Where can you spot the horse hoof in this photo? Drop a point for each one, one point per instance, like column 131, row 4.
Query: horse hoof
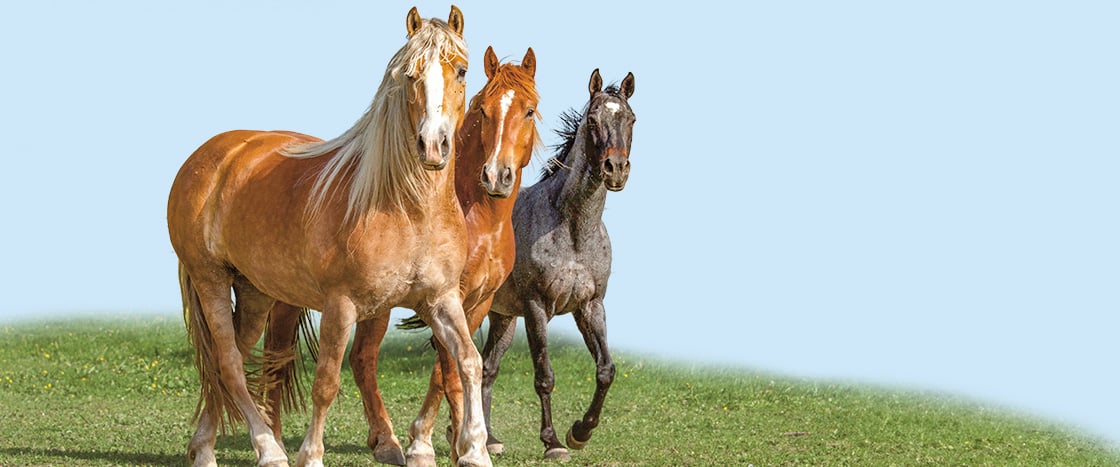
column 273, row 463
column 575, row 443
column 483, row 462
column 557, row 454
column 495, row 448
column 421, row 460
column 391, row 455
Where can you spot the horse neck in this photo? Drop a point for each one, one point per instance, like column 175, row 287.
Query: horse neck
column 579, row 196
column 437, row 202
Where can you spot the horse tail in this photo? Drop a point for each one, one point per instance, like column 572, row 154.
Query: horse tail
column 285, row 369
column 412, row 323
column 214, row 398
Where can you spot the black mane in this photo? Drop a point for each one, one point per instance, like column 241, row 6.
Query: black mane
column 569, row 126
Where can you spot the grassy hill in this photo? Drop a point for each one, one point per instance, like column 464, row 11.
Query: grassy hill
column 121, row 392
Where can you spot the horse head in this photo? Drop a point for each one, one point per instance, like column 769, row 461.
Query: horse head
column 437, row 74
column 507, row 105
column 609, row 127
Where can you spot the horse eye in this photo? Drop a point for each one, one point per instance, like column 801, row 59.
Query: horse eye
column 462, row 73
column 530, row 113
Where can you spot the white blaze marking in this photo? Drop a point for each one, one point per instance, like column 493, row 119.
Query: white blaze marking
column 612, row 106
column 433, row 86
column 507, row 100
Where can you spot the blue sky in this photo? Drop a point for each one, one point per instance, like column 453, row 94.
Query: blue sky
column 914, row 195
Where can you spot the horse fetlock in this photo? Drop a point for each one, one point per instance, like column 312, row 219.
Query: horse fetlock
column 203, row 457
column 269, row 452
column 474, row 457
column 420, row 451
column 572, row 438
column 494, row 445
column 309, row 457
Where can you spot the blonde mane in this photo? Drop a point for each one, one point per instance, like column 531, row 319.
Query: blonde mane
column 378, row 156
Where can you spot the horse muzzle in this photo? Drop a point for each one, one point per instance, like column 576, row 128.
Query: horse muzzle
column 434, row 151
column 498, row 182
column 615, row 170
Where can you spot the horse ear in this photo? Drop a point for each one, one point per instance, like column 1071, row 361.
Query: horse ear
column 413, row 21
column 455, row 20
column 627, row 87
column 596, row 83
column 529, row 63
column 490, row 62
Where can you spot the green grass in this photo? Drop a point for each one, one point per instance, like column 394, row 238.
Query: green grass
column 121, row 392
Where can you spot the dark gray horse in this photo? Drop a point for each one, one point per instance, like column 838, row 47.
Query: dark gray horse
column 564, row 255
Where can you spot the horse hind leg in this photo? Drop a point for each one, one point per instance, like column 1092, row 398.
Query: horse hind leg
column 592, row 324
column 250, row 313
column 536, row 326
column 499, row 337
column 221, row 371
column 283, row 391
column 363, row 361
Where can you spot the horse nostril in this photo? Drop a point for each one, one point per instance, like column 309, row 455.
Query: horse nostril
column 507, row 177
column 608, row 166
column 444, row 144
column 486, row 176
column 420, row 146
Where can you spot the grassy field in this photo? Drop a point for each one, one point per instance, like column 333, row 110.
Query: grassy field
column 121, row 392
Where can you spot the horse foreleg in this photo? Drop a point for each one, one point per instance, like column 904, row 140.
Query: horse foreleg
column 592, row 324
column 536, row 325
column 450, row 327
column 420, row 449
column 334, row 330
column 498, row 340
column 452, row 387
column 363, row 361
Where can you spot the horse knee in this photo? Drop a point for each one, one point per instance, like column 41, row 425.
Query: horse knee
column 544, row 383
column 323, row 393
column 605, row 375
column 471, row 370
column 489, row 372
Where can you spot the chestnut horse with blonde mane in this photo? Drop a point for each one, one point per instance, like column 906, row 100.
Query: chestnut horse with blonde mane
column 353, row 227
column 496, row 141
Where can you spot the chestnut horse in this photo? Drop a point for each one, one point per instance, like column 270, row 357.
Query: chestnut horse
column 564, row 255
column 496, row 141
column 352, row 227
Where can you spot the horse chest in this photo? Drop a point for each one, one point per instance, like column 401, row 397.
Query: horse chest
column 571, row 280
column 385, row 278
